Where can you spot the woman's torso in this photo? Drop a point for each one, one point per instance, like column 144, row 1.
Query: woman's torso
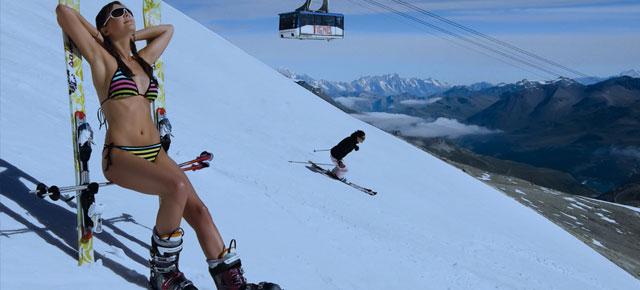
column 129, row 118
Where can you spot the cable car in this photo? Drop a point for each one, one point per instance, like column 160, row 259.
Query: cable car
column 307, row 24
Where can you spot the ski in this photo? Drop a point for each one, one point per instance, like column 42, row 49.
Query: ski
column 152, row 17
column 82, row 137
column 307, row 162
column 318, row 169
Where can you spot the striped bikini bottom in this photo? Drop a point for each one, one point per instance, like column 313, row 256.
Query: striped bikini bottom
column 149, row 152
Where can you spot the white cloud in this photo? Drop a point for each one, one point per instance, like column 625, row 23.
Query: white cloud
column 418, row 127
column 414, row 102
column 630, row 151
column 351, row 102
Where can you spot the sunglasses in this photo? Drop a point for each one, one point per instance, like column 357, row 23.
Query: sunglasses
column 118, row 12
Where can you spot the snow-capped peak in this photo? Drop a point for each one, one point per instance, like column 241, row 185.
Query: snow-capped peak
column 631, row 73
column 380, row 85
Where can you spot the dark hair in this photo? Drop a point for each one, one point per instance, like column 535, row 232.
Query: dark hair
column 359, row 134
column 102, row 16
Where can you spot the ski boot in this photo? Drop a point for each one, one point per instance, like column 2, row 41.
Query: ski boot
column 165, row 253
column 334, row 175
column 227, row 272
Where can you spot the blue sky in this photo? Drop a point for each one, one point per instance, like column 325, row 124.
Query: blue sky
column 595, row 37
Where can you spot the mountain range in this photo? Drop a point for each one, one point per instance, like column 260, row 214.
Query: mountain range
column 372, row 86
column 592, row 80
column 590, row 131
column 393, row 84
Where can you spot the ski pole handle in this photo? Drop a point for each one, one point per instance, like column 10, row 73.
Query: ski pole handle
column 204, row 156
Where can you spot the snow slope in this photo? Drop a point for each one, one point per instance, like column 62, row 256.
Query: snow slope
column 430, row 227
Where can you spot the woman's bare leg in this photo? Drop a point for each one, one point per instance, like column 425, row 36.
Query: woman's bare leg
column 197, row 215
column 177, row 197
column 133, row 172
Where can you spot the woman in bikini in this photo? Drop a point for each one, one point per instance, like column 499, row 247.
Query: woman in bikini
column 133, row 156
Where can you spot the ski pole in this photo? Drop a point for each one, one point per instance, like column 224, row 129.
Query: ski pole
column 321, row 150
column 54, row 192
column 307, row 162
column 197, row 166
column 42, row 190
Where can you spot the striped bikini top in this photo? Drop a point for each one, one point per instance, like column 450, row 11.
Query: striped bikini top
column 123, row 86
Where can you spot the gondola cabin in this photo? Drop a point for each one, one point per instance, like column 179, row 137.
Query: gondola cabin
column 306, row 24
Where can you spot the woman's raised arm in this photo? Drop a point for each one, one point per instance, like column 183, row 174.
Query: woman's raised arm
column 158, row 37
column 86, row 37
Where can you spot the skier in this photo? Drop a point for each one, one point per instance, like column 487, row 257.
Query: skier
column 341, row 150
column 133, row 157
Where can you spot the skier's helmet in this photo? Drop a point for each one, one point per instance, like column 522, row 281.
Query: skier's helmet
column 358, row 134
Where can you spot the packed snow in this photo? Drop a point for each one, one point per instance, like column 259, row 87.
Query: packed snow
column 569, row 216
column 607, row 219
column 597, row 243
column 430, row 227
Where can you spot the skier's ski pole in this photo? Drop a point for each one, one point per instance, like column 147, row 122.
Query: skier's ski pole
column 321, row 150
column 307, row 162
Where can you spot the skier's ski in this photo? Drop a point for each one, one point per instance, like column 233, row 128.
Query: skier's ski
column 316, row 168
column 152, row 17
column 82, row 137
